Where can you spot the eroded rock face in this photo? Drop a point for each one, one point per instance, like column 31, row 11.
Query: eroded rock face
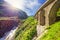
column 7, row 25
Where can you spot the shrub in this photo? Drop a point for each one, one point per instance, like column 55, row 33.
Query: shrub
column 27, row 30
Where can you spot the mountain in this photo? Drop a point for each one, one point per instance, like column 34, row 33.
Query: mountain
column 6, row 10
column 22, row 14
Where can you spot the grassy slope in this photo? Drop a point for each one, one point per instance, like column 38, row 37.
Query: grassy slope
column 27, row 30
column 53, row 32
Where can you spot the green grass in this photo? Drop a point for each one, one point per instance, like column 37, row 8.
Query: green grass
column 58, row 13
column 23, row 26
column 53, row 32
column 27, row 30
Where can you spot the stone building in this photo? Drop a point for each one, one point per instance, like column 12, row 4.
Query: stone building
column 46, row 15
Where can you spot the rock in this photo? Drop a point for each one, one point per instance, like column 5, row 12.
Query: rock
column 7, row 25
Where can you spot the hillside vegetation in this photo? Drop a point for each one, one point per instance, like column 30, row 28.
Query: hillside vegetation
column 53, row 32
column 58, row 13
column 27, row 30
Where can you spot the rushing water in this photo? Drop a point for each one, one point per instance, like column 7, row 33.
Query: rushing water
column 9, row 35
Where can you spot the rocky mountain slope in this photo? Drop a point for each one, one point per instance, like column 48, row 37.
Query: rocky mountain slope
column 7, row 10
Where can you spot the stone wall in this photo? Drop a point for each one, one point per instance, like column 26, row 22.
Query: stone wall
column 47, row 14
column 53, row 12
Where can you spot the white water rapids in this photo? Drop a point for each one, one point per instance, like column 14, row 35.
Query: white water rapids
column 9, row 35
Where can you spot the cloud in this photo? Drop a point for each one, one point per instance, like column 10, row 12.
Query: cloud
column 31, row 6
column 16, row 3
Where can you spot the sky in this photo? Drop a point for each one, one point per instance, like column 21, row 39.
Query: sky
column 29, row 6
